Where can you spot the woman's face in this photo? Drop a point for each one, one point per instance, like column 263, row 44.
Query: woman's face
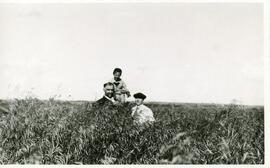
column 138, row 101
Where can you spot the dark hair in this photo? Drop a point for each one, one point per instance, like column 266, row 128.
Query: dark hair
column 117, row 70
column 106, row 84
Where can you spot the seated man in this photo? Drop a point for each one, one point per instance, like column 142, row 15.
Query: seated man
column 141, row 113
column 108, row 98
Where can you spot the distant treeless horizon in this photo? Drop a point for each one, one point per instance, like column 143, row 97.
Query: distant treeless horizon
column 172, row 52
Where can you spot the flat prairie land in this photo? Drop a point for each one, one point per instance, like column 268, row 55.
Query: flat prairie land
column 34, row 131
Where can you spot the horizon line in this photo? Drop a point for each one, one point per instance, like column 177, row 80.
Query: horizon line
column 162, row 102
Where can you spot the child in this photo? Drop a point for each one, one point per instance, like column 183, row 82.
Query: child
column 119, row 85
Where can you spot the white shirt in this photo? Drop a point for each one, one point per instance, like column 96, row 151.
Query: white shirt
column 142, row 114
column 111, row 99
column 121, row 85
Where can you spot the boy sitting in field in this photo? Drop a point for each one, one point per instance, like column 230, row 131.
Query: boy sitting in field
column 119, row 85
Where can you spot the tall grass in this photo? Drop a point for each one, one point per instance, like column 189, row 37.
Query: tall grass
column 54, row 132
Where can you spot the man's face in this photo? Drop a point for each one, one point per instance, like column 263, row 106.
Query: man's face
column 108, row 90
column 138, row 101
column 117, row 75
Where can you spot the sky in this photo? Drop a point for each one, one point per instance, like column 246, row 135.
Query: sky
column 172, row 52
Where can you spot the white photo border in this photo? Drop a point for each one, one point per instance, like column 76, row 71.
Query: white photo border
column 266, row 5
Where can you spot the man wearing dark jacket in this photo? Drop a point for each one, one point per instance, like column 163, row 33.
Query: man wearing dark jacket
column 107, row 99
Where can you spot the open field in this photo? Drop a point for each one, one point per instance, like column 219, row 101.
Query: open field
column 59, row 132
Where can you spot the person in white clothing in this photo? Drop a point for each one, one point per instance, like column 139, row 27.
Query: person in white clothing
column 141, row 113
column 121, row 90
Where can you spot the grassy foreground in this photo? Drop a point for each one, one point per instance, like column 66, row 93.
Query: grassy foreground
column 55, row 132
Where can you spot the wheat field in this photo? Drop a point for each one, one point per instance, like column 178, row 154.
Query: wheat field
column 34, row 131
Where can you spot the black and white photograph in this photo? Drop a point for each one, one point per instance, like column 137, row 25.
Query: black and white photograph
column 133, row 83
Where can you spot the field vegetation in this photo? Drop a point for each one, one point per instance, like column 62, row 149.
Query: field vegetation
column 33, row 131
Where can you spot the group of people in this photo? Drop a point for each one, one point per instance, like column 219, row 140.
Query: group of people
column 115, row 93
